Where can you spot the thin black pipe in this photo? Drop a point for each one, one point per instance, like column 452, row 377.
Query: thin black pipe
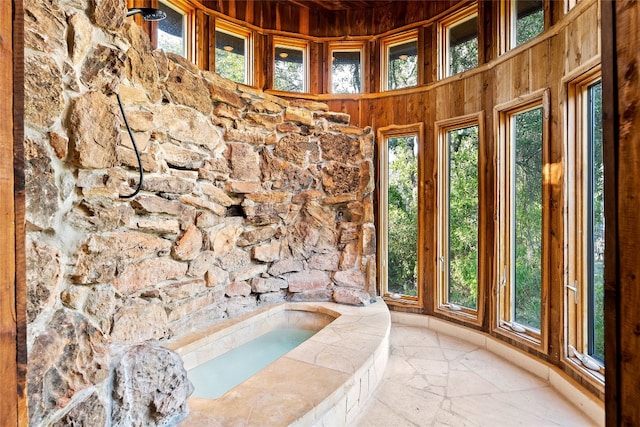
column 135, row 148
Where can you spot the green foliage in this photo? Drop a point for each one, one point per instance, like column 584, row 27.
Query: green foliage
column 463, row 56
column 528, row 217
column 403, row 72
column 288, row 75
column 597, row 219
column 170, row 43
column 230, row 65
column 529, row 26
column 463, row 216
column 402, row 214
column 345, row 78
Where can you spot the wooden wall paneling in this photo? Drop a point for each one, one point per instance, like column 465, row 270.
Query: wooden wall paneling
column 428, row 248
column 441, row 110
column 541, row 54
column 553, row 175
column 488, row 200
column 610, row 128
column 263, row 61
column 316, row 69
column 384, row 112
column 19, row 196
column 430, row 53
column 622, row 216
column 202, row 39
column 487, row 28
column 473, row 92
column 582, row 39
column 399, row 109
column 372, row 69
column 415, row 107
column 512, row 78
column 421, row 55
column 8, row 325
column 211, row 44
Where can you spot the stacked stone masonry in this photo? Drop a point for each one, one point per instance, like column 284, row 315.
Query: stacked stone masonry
column 247, row 199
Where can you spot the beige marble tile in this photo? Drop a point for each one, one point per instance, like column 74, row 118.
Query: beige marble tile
column 457, row 383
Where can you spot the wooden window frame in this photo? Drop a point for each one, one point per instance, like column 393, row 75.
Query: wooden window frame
column 293, row 44
column 444, row 26
column 503, row 324
column 188, row 11
column 244, row 33
column 441, row 301
column 345, row 47
column 575, row 292
column 388, row 43
column 384, row 133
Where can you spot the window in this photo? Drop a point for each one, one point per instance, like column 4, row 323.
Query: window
column 346, row 68
column 172, row 31
column 584, row 296
column 290, row 65
column 399, row 224
column 458, row 216
column 400, row 61
column 459, row 42
column 522, row 20
column 232, row 52
column 522, row 197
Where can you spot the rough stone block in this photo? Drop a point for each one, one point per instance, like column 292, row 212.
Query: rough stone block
column 308, row 281
column 139, row 321
column 351, row 296
column 150, row 387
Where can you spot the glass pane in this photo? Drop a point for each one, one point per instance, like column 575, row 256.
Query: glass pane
column 289, row 69
column 171, row 32
column 345, row 72
column 529, row 20
column 463, row 46
column 402, row 210
column 230, row 56
column 402, row 65
column 596, row 217
column 527, row 256
column 463, row 216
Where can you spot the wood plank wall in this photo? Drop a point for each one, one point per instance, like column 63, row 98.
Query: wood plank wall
column 621, row 91
column 290, row 17
column 13, row 294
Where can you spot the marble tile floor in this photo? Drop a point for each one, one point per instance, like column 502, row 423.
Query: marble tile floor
column 433, row 379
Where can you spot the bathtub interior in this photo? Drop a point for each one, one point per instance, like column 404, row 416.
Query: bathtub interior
column 209, row 343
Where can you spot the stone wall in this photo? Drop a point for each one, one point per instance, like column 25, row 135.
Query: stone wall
column 247, row 199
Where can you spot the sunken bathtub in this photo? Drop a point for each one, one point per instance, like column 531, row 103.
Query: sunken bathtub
column 324, row 381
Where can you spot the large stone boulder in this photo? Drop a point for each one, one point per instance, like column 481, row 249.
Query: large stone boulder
column 150, row 388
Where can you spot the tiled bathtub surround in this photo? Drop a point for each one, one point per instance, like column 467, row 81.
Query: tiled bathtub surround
column 325, row 381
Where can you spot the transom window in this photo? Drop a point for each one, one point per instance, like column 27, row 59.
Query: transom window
column 584, row 290
column 346, row 68
column 172, row 31
column 399, row 220
column 290, row 65
column 400, row 61
column 522, row 20
column 522, row 241
column 232, row 52
column 458, row 216
column 459, row 42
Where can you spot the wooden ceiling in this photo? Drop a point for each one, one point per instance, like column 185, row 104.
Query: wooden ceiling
column 340, row 4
